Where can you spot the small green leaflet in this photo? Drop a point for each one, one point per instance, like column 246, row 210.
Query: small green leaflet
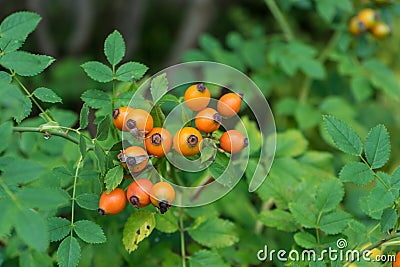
column 88, row 201
column 280, row 219
column 329, row 194
column 43, row 198
column 98, row 71
column 58, row 228
column 6, row 129
column 377, row 146
column 114, row 48
column 5, row 78
column 32, row 229
column 166, row 223
column 388, row 220
column 96, row 99
column 382, row 77
column 130, row 71
column 138, row 227
column 214, row 232
column 24, row 63
column 19, row 25
column 334, row 222
column 305, row 240
column 290, row 143
column 303, row 215
column 114, row 178
column 101, row 158
column 103, row 128
column 83, row 116
column 47, row 95
column 82, row 145
column 159, row 86
column 206, row 258
column 69, row 252
column 344, row 137
column 89, row 232
column 356, row 172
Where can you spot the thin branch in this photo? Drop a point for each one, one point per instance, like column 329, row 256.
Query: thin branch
column 280, row 18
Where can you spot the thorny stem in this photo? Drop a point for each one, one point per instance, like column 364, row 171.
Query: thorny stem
column 38, row 130
column 280, row 18
column 78, row 164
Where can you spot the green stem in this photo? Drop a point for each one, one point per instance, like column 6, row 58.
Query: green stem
column 323, row 56
column 182, row 235
column 28, row 94
column 267, row 205
column 376, row 175
column 280, row 18
column 38, row 130
column 78, row 164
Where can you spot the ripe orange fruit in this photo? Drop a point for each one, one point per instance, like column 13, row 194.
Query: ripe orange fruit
column 187, row 141
column 158, row 142
column 208, row 120
column 197, row 97
column 119, row 116
column 356, row 26
column 396, row 262
column 229, row 104
column 138, row 122
column 112, row 203
column 233, row 141
column 138, row 192
column 380, row 30
column 368, row 17
column 136, row 158
column 162, row 195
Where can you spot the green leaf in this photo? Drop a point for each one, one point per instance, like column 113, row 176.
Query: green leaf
column 218, row 167
column 166, row 223
column 32, row 258
column 344, row 137
column 29, row 172
column 380, row 198
column 17, row 104
column 158, row 116
column 114, row 48
column 307, row 116
column 82, row 145
column 361, row 88
column 96, row 99
column 32, row 229
column 382, row 77
column 388, row 220
column 6, row 130
column 159, row 86
column 47, row 95
column 377, row 146
column 334, row 222
column 356, row 172
column 88, row 201
column 303, row 215
column 98, row 71
column 290, row 143
column 305, row 240
column 279, row 219
column 19, row 25
column 329, row 194
column 8, row 216
column 5, row 78
column 24, row 63
column 89, row 232
column 138, row 226
column 313, row 68
column 208, row 151
column 327, row 9
column 114, row 178
column 84, row 116
column 10, row 45
column 214, row 232
column 130, row 71
column 103, row 128
column 101, row 158
column 43, row 198
column 58, row 228
column 69, row 252
column 206, row 258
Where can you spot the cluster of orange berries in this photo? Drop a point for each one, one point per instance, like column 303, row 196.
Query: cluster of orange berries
column 140, row 193
column 158, row 142
column 368, row 20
